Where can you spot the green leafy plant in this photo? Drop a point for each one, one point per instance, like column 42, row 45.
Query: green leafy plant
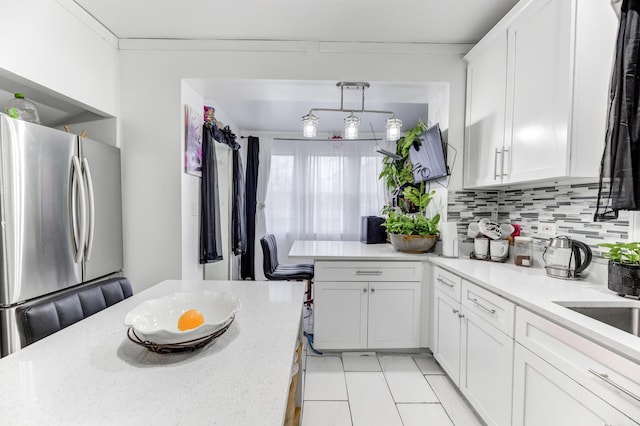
column 409, row 217
column 627, row 253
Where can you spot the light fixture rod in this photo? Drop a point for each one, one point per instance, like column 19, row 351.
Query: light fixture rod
column 351, row 85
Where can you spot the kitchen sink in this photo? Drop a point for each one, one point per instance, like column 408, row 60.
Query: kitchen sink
column 626, row 318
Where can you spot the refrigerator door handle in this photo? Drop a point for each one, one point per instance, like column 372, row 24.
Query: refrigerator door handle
column 79, row 226
column 89, row 182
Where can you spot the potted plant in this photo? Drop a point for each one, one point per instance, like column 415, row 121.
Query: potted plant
column 624, row 267
column 407, row 222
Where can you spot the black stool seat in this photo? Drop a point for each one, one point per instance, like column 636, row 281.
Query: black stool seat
column 282, row 272
column 301, row 271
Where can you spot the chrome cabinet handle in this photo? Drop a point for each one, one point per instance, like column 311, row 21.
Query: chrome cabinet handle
column 481, row 306
column 364, row 290
column 455, row 311
column 495, row 164
column 445, row 282
column 460, row 316
column 606, row 378
column 368, row 272
column 505, row 150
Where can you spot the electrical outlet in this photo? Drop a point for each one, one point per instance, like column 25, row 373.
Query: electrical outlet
column 547, row 229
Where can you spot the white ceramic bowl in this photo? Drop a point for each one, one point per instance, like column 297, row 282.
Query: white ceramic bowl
column 157, row 320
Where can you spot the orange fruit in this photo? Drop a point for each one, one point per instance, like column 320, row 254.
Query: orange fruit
column 190, row 319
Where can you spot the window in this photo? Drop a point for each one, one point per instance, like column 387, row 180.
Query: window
column 320, row 189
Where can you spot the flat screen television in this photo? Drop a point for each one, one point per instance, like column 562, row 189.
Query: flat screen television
column 429, row 156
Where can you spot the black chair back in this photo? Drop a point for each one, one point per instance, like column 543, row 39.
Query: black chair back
column 269, row 254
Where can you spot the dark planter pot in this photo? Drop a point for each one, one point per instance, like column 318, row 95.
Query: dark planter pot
column 624, row 279
column 412, row 243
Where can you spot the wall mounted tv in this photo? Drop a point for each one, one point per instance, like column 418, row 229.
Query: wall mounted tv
column 429, row 156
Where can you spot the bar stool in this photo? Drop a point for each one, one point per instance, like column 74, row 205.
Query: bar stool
column 284, row 272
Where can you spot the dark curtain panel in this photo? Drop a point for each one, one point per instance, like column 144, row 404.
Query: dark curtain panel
column 620, row 164
column 247, row 269
column 210, row 231
column 239, row 213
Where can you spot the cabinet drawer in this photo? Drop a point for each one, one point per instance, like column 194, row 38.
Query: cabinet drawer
column 368, row 271
column 447, row 282
column 492, row 308
column 612, row 377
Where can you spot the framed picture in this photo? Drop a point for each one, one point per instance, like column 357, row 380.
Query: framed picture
column 193, row 121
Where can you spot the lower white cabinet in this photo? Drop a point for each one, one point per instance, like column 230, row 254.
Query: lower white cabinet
column 470, row 343
column 446, row 334
column 486, row 361
column 366, row 315
column 577, row 381
column 543, row 396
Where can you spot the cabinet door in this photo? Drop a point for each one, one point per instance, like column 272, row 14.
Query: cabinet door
column 486, row 363
column 485, row 114
column 394, row 315
column 447, row 335
column 340, row 315
column 545, row 396
column 539, row 92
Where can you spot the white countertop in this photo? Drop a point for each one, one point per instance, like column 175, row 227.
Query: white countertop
column 354, row 250
column 91, row 374
column 530, row 288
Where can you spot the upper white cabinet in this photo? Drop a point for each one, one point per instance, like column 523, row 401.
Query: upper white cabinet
column 537, row 94
column 485, row 113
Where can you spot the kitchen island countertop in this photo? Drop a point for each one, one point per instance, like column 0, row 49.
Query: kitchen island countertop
column 90, row 373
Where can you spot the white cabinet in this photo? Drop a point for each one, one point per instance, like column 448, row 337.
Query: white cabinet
column 485, row 113
column 554, row 77
column 446, row 334
column 543, row 395
column 579, row 378
column 472, row 341
column 360, row 305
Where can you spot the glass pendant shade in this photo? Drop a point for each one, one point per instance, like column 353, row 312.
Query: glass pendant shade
column 310, row 126
column 351, row 124
column 393, row 128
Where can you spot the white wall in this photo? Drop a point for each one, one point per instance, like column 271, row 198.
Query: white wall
column 190, row 195
column 151, row 75
column 56, row 46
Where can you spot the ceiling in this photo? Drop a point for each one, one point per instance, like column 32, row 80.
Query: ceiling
column 276, row 105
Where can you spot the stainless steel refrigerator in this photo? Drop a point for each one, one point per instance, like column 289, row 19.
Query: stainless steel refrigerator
column 60, row 216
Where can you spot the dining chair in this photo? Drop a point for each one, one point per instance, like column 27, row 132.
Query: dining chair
column 276, row 271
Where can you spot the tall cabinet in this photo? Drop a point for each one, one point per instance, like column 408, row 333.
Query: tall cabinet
column 537, row 94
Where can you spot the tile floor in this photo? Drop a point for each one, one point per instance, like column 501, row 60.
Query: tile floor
column 369, row 389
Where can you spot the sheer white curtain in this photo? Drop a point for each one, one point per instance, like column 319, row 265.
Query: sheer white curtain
column 318, row 190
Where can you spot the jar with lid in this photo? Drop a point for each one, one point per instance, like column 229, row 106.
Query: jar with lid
column 523, row 251
column 22, row 108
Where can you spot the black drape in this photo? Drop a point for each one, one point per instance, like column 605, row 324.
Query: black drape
column 621, row 159
column 210, row 231
column 251, row 185
column 239, row 213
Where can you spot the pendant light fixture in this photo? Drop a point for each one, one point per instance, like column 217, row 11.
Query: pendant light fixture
column 393, row 128
column 310, row 125
column 351, row 122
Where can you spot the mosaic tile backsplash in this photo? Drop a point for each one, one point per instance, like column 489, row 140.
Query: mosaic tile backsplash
column 570, row 207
